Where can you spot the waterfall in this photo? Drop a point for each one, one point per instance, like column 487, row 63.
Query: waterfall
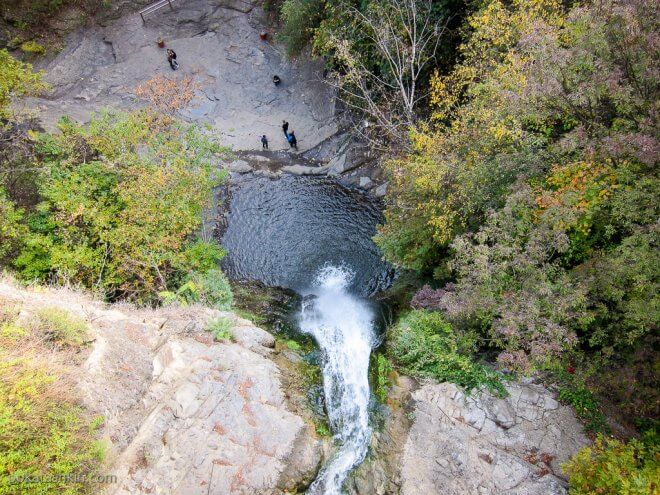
column 342, row 326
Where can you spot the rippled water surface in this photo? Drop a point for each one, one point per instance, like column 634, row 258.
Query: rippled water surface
column 283, row 231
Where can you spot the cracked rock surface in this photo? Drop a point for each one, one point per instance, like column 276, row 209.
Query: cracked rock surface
column 185, row 415
column 481, row 444
column 217, row 44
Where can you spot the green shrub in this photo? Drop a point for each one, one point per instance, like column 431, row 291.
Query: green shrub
column 221, row 328
column 585, row 404
column 299, row 18
column 211, row 288
column 423, row 344
column 60, row 327
column 12, row 232
column 214, row 289
column 43, row 432
column 610, row 467
column 16, row 79
column 131, row 231
column 33, row 47
column 383, row 373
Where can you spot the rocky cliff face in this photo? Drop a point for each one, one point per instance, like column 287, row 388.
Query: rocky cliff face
column 483, row 445
column 462, row 444
column 184, row 414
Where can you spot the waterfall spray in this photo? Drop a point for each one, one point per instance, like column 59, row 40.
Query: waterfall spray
column 342, row 325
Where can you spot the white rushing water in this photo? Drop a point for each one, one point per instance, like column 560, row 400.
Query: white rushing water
column 342, row 325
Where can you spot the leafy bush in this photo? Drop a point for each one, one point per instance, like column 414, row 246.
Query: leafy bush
column 12, row 231
column 585, row 405
column 214, row 289
column 610, row 467
column 423, row 344
column 60, row 327
column 299, row 18
column 16, row 79
column 210, row 288
column 122, row 204
column 220, row 328
column 535, row 181
column 383, row 371
column 33, row 47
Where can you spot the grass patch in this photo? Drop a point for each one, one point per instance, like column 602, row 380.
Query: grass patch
column 60, row 327
column 382, row 371
column 246, row 314
column 33, row 47
column 221, row 329
column 293, row 345
column 44, row 431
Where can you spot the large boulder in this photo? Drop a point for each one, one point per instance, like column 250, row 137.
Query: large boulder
column 463, row 445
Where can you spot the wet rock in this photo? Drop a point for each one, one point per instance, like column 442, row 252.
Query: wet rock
column 379, row 474
column 381, row 190
column 239, row 167
column 304, row 170
column 366, row 182
column 338, row 165
column 350, row 156
column 267, row 173
column 308, row 301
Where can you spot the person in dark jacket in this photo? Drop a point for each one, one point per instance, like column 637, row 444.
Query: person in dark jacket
column 293, row 142
column 285, row 128
column 171, row 58
column 264, row 142
column 276, row 80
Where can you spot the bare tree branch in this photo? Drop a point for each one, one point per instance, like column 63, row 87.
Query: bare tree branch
column 406, row 37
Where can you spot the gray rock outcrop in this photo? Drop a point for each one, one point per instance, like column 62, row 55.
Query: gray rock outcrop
column 465, row 445
column 218, row 46
column 184, row 415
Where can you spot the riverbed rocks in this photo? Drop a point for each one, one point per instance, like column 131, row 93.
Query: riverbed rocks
column 304, row 170
column 184, row 414
column 463, row 444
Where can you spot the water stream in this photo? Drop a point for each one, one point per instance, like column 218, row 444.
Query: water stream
column 312, row 235
column 343, row 327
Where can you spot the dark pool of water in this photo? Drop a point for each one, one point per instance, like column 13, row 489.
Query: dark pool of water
column 281, row 232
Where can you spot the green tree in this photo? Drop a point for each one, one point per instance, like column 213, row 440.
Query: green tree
column 610, row 467
column 16, row 79
column 122, row 205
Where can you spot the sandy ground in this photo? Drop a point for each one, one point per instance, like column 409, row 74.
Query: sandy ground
column 219, row 46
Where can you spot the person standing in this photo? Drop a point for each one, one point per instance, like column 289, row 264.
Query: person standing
column 285, row 128
column 293, row 142
column 171, row 58
column 264, row 142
